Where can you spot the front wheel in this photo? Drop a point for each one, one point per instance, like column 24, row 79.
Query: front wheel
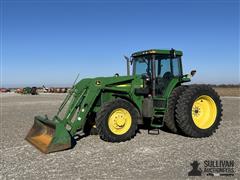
column 199, row 111
column 117, row 121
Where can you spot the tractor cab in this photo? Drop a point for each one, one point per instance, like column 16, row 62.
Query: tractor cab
column 159, row 69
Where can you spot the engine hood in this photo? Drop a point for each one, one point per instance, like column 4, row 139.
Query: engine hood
column 105, row 82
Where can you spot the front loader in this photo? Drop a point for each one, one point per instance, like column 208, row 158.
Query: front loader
column 153, row 96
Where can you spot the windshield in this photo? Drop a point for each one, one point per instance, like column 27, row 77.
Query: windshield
column 142, row 65
column 164, row 65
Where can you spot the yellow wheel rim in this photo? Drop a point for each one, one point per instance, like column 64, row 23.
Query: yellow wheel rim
column 204, row 112
column 119, row 121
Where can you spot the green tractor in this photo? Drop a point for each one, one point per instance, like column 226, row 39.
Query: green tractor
column 152, row 96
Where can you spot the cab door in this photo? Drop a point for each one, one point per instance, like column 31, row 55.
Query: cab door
column 167, row 69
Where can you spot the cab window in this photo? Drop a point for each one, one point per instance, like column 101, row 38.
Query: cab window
column 163, row 67
column 142, row 65
column 176, row 67
column 166, row 66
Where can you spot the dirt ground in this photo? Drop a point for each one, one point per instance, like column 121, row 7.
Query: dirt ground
column 163, row 156
column 228, row 91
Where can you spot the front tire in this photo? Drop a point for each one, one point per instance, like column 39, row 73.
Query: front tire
column 117, row 121
column 199, row 111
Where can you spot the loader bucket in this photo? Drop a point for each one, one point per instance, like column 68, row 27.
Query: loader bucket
column 49, row 136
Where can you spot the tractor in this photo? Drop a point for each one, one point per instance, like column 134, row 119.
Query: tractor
column 152, row 96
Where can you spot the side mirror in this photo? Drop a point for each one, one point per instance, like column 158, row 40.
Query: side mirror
column 193, row 72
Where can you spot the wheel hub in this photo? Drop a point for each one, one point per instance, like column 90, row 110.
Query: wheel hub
column 204, row 112
column 119, row 121
column 196, row 111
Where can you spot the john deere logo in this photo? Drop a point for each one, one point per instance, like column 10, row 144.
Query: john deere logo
column 196, row 171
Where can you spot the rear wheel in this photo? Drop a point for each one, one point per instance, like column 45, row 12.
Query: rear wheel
column 199, row 111
column 170, row 115
column 117, row 121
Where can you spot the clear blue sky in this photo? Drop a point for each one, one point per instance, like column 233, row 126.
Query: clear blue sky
column 50, row 42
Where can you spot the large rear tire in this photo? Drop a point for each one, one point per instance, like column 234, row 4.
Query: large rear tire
column 199, row 111
column 117, row 121
column 170, row 115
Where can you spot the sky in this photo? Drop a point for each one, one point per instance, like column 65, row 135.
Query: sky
column 50, row 42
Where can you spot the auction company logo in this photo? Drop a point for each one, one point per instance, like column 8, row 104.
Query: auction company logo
column 212, row 168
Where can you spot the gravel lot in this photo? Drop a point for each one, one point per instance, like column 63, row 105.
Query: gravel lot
column 163, row 156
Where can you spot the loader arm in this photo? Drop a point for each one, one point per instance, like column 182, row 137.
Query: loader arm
column 84, row 95
column 57, row 134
